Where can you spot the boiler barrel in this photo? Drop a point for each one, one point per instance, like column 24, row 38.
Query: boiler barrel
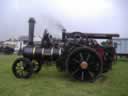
column 37, row 52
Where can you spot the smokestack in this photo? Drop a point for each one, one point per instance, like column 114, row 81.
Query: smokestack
column 31, row 30
column 63, row 34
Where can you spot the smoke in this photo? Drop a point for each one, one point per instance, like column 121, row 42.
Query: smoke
column 60, row 26
column 53, row 25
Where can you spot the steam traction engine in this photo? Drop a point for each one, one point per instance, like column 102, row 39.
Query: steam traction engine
column 76, row 53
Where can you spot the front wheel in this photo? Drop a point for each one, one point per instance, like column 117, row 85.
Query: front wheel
column 36, row 66
column 22, row 68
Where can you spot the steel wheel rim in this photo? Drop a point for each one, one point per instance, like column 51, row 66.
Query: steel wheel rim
column 91, row 70
column 35, row 65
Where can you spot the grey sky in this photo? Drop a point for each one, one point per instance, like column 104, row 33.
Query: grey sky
column 102, row 16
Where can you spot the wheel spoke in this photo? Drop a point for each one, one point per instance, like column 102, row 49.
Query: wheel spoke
column 94, row 67
column 18, row 68
column 24, row 73
column 76, row 61
column 18, row 65
column 92, row 63
column 82, row 75
column 81, row 57
column 75, row 71
column 90, row 74
column 21, row 63
column 19, row 72
column 88, row 58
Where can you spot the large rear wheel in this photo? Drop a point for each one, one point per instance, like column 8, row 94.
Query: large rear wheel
column 84, row 64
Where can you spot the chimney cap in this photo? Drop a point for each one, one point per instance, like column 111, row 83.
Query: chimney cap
column 63, row 30
column 32, row 20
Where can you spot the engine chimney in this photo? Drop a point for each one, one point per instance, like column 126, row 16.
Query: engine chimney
column 31, row 30
column 63, row 34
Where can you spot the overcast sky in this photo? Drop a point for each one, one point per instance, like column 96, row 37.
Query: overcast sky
column 101, row 16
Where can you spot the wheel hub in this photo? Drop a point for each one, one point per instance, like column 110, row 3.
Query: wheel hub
column 83, row 65
column 22, row 68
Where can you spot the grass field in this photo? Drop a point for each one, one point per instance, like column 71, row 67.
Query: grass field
column 50, row 82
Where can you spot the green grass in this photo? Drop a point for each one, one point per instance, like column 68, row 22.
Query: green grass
column 50, row 82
